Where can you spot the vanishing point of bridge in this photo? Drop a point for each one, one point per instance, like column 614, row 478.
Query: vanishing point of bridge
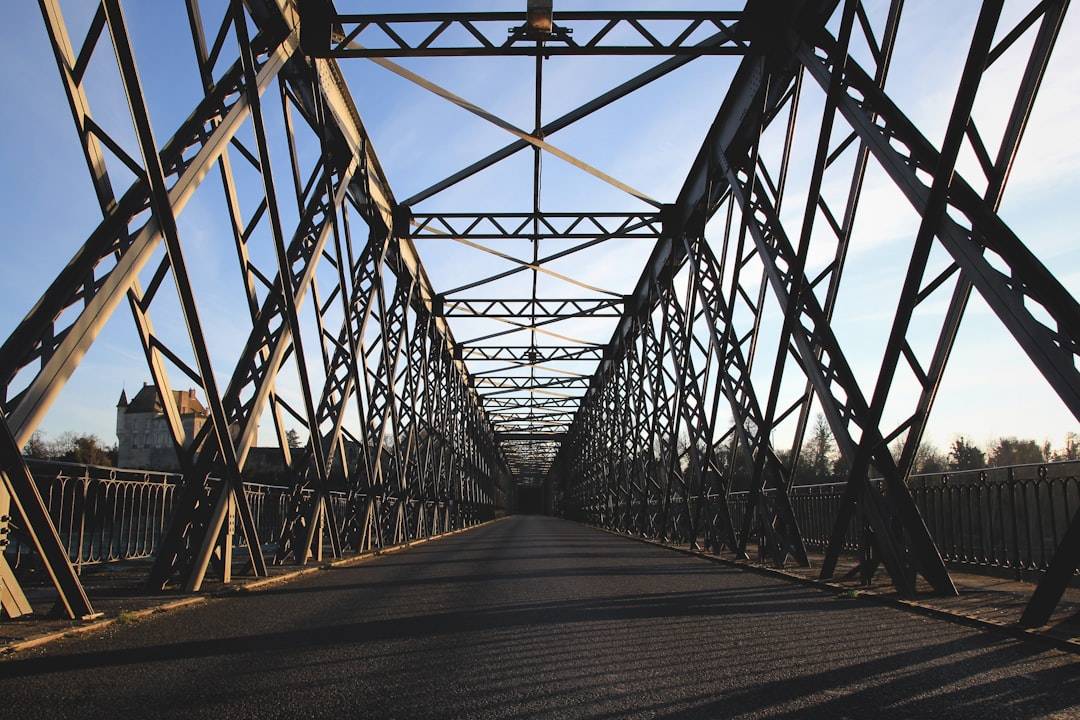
column 454, row 356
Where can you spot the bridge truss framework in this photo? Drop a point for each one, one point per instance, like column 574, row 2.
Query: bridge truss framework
column 643, row 433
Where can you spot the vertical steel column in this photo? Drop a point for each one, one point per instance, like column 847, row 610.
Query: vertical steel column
column 690, row 405
column 907, row 157
column 642, row 443
column 368, row 508
column 242, row 228
column 199, row 516
column 751, row 429
column 105, row 270
column 932, row 215
column 843, row 402
column 310, row 483
column 19, row 491
column 413, row 483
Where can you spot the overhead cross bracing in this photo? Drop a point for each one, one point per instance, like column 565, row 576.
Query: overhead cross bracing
column 477, row 251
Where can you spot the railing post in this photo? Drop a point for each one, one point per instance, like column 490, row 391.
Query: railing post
column 317, row 537
column 79, row 498
column 1014, row 518
column 228, row 530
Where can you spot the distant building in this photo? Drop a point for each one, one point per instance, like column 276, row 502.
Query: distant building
column 142, row 433
column 144, row 442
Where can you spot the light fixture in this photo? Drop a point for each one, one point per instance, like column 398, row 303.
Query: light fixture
column 538, row 18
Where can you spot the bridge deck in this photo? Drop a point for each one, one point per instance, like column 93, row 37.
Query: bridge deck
column 534, row 617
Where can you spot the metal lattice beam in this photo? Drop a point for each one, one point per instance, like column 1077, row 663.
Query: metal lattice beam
column 486, row 34
column 700, row 388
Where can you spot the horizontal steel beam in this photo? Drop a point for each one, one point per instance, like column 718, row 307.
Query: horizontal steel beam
column 506, row 34
column 531, row 308
column 524, row 382
column 531, row 226
column 532, row 353
column 502, row 403
column 529, row 437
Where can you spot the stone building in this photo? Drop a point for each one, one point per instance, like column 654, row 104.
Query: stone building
column 144, row 442
column 143, row 439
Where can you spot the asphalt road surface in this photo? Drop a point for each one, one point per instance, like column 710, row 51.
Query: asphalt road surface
column 533, row 617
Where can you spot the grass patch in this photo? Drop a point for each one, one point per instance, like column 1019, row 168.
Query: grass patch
column 849, row 594
column 126, row 618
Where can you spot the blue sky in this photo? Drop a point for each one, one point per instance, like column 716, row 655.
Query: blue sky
column 646, row 141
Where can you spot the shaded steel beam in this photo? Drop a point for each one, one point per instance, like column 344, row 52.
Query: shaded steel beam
column 843, row 402
column 342, row 379
column 242, row 227
column 529, row 382
column 18, row 489
column 907, row 156
column 518, row 437
column 486, row 34
column 541, row 425
column 539, row 308
column 897, row 347
column 530, row 226
column 753, row 97
column 530, row 416
column 532, row 353
column 180, row 166
column 187, row 545
column 693, row 420
column 38, row 339
column 751, row 430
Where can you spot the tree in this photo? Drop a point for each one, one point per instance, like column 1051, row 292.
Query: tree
column 1071, row 451
column 965, row 456
column 71, row 447
column 928, row 459
column 293, row 438
column 88, row 450
column 816, row 459
column 37, row 448
column 1013, row 451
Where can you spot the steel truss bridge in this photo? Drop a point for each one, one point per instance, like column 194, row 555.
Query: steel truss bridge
column 461, row 396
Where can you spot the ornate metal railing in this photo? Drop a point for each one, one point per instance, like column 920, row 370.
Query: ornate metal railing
column 995, row 519
column 108, row 514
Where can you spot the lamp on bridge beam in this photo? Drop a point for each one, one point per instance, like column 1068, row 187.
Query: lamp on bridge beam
column 538, row 18
column 539, row 25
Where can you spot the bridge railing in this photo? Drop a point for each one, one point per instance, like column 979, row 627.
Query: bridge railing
column 995, row 519
column 108, row 514
column 1008, row 519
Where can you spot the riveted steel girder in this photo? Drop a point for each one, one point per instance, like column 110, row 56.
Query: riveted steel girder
column 510, row 226
column 487, row 34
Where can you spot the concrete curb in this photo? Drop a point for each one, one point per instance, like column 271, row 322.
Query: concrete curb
column 101, row 624
column 1014, row 631
column 236, row 589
